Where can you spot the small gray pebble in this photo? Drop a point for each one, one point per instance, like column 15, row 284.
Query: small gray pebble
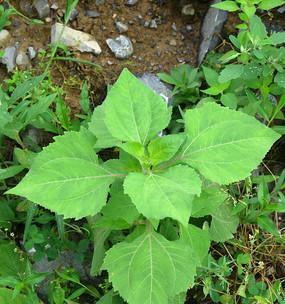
column 92, row 14
column 22, row 59
column 173, row 42
column 121, row 27
column 42, row 7
column 146, row 24
column 54, row 7
column 188, row 10
column 174, row 27
column 9, row 58
column 189, row 28
column 32, row 52
column 131, row 2
column 153, row 24
column 121, row 46
column 73, row 15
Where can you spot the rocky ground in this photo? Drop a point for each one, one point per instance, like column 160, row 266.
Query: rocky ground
column 143, row 35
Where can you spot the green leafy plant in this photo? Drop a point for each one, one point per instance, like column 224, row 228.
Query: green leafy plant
column 247, row 8
column 6, row 13
column 217, row 275
column 62, row 288
column 186, row 82
column 252, row 82
column 4, row 16
column 177, row 177
column 257, row 206
column 16, row 273
column 249, row 77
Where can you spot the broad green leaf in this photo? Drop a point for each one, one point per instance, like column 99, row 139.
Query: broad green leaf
column 279, row 129
column 133, row 112
column 249, row 10
column 229, row 100
column 12, row 260
column 24, row 157
column 164, row 148
column 38, row 108
column 270, row 4
column 230, row 6
column 10, row 171
column 235, row 41
column 106, row 222
column 228, row 56
column 32, row 209
column 84, row 98
column 6, row 215
column 5, row 117
column 216, row 90
column 265, row 223
column 211, row 76
column 280, row 79
column 98, row 127
column 7, row 296
column 169, row 229
column 150, row 269
column 100, row 235
column 120, row 205
column 278, row 108
column 257, row 28
column 223, row 144
column 63, row 114
column 275, row 39
column 66, row 177
column 209, row 200
column 167, row 78
column 25, row 87
column 223, row 224
column 110, row 298
column 231, row 71
column 135, row 149
column 197, row 239
column 122, row 167
column 166, row 194
column 179, row 299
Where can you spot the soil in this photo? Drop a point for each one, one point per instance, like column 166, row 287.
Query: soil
column 155, row 49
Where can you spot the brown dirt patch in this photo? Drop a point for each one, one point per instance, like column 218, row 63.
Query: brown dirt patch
column 152, row 49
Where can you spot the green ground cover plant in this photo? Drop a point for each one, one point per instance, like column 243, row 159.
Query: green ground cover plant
column 249, row 77
column 174, row 177
column 162, row 201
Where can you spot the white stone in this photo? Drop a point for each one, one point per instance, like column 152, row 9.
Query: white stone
column 4, row 35
column 22, row 59
column 89, row 46
column 121, row 27
column 173, row 42
column 54, row 7
column 153, row 24
column 121, row 46
column 76, row 39
column 32, row 52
